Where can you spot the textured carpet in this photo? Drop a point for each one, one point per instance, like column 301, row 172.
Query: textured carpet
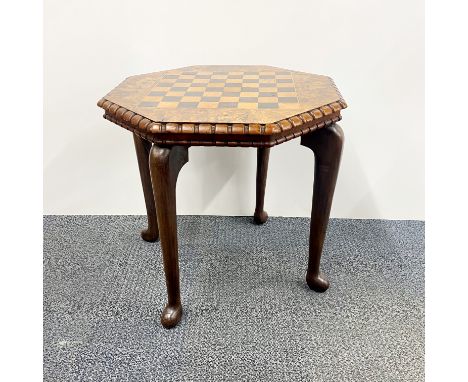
column 248, row 314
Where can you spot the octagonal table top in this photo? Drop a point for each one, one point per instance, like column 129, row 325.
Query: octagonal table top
column 209, row 104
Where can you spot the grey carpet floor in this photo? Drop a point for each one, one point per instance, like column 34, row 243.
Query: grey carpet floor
column 248, row 314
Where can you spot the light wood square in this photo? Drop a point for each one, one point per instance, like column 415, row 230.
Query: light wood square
column 168, row 105
column 208, row 105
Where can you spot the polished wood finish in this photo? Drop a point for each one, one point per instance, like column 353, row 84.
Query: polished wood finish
column 327, row 144
column 243, row 106
column 256, row 106
column 263, row 154
column 225, row 94
column 240, row 135
column 142, row 148
column 165, row 164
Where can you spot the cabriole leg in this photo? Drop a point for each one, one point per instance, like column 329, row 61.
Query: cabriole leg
column 263, row 154
column 327, row 144
column 165, row 164
column 142, row 148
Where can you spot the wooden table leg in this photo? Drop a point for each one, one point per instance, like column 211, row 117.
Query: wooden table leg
column 143, row 148
column 263, row 154
column 165, row 164
column 327, row 144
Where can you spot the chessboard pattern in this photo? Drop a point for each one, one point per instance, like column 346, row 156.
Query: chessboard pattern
column 237, row 89
column 223, row 103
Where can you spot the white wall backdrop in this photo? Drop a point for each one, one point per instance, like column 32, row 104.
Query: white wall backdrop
column 374, row 50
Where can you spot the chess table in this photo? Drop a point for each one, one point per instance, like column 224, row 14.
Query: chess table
column 246, row 106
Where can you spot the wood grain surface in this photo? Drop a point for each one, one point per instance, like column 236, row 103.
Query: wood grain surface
column 217, row 105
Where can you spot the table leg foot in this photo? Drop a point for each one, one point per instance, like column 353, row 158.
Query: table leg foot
column 171, row 315
column 260, row 217
column 317, row 283
column 149, row 235
column 263, row 155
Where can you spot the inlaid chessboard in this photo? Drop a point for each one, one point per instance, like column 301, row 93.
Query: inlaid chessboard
column 224, row 94
column 237, row 89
